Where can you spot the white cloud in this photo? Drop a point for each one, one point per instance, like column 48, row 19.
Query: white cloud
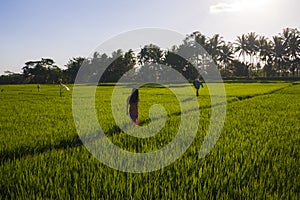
column 223, row 7
column 236, row 5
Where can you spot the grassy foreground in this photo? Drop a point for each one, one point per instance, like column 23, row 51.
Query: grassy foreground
column 257, row 155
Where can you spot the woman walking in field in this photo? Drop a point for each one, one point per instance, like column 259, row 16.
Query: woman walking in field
column 132, row 103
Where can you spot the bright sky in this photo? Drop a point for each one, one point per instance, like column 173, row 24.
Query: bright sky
column 63, row 29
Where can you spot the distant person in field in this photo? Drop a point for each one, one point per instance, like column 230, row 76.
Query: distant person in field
column 197, row 83
column 38, row 87
column 132, row 103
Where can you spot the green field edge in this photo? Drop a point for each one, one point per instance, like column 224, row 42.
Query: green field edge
column 75, row 141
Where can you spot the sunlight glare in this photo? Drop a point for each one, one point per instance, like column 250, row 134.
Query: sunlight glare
column 249, row 4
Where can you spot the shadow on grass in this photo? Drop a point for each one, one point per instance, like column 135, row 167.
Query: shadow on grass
column 23, row 151
column 74, row 142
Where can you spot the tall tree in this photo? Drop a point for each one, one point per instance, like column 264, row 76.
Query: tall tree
column 150, row 54
column 291, row 40
column 226, row 57
column 241, row 46
column 117, row 65
column 73, row 67
column 200, row 50
column 262, row 48
column 150, row 58
column 214, row 45
column 278, row 53
column 42, row 71
column 252, row 49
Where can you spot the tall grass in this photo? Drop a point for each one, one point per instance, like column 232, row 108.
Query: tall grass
column 256, row 157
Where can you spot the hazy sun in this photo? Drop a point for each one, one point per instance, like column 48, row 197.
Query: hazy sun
column 246, row 4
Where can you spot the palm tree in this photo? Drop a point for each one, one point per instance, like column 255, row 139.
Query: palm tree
column 278, row 52
column 262, row 48
column 116, row 54
column 214, row 45
column 252, row 48
column 200, row 39
column 241, row 46
column 291, row 40
column 226, row 55
column 294, row 50
column 265, row 54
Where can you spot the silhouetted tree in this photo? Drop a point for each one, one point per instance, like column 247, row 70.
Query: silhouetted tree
column 73, row 66
column 43, row 71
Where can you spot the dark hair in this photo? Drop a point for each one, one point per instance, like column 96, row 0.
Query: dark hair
column 134, row 98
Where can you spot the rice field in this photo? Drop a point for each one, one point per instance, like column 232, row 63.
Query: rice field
column 256, row 157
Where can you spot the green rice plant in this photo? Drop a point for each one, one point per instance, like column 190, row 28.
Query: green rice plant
column 256, row 156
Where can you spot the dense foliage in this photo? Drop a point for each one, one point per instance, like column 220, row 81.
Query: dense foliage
column 251, row 55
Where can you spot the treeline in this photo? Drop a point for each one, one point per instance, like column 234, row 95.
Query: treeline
column 251, row 55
